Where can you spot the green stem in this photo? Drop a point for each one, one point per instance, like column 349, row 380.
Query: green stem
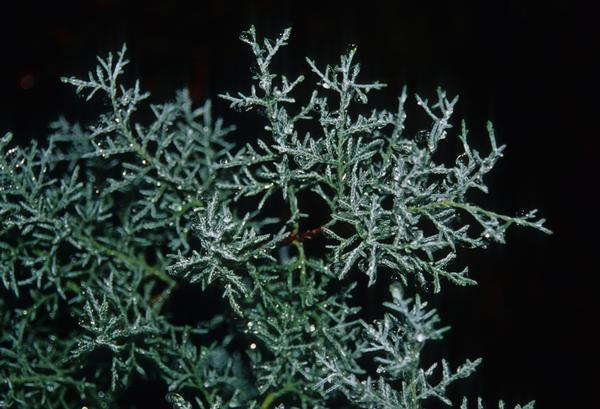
column 126, row 258
column 301, row 263
column 270, row 398
column 40, row 378
column 474, row 210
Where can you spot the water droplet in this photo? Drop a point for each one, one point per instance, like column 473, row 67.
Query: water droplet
column 360, row 98
column 245, row 36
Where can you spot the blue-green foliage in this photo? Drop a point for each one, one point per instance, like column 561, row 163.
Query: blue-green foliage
column 101, row 225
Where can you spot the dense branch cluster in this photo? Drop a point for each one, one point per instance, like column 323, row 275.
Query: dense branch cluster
column 102, row 225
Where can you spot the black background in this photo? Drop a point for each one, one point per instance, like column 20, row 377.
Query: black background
column 526, row 66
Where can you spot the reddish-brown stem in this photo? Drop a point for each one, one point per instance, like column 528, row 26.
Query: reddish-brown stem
column 300, row 237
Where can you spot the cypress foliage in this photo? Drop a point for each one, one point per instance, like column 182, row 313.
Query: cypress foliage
column 103, row 226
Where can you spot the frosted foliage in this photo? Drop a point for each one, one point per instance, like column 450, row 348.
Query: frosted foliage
column 106, row 227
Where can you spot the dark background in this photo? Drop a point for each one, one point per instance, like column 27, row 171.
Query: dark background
column 526, row 66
